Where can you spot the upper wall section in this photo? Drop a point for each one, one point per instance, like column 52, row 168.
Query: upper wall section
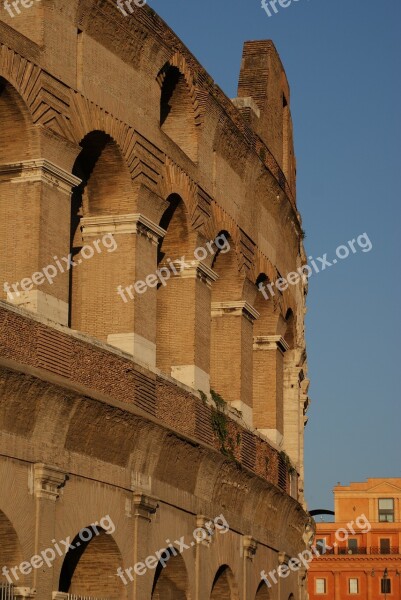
column 97, row 39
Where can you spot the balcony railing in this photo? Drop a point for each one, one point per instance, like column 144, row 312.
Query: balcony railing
column 341, row 551
column 389, row 550
column 6, row 591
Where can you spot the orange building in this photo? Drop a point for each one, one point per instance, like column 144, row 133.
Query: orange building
column 360, row 553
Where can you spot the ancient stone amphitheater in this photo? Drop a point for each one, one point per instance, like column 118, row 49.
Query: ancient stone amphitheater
column 151, row 430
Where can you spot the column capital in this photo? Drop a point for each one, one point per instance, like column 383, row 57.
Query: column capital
column 24, row 592
column 270, row 342
column 59, row 596
column 144, row 505
column 119, row 224
column 201, row 521
column 249, row 545
column 196, row 268
column 48, row 480
column 283, row 558
column 235, row 309
column 41, row 170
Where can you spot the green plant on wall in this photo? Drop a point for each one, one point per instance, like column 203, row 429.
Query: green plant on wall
column 220, row 427
column 287, row 461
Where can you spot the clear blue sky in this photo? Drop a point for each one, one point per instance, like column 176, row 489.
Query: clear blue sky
column 342, row 59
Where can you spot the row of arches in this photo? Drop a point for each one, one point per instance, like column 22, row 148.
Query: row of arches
column 89, row 569
column 209, row 327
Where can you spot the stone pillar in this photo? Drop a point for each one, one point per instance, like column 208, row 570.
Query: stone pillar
column 24, row 593
column 231, row 354
column 144, row 507
column 35, row 197
column 108, row 300
column 293, row 407
column 337, row 586
column 268, row 385
column 202, row 563
column 183, row 323
column 47, row 482
column 368, row 585
column 303, row 419
column 249, row 546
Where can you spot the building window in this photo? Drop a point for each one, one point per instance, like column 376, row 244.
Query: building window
column 320, row 586
column 384, row 546
column 353, row 586
column 353, row 546
column 321, row 545
column 386, row 510
column 386, row 586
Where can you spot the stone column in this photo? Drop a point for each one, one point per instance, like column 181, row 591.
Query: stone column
column 202, row 564
column 231, row 354
column 183, row 323
column 293, row 406
column 47, row 483
column 268, row 385
column 114, row 291
column 24, row 593
column 144, row 507
column 249, row 546
column 35, row 197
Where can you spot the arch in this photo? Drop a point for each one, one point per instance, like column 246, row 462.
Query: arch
column 231, row 331
column 269, row 352
column 224, row 585
column 230, row 283
column 105, row 193
column 290, row 329
column 106, row 187
column 262, row 592
column 171, row 582
column 177, row 110
column 90, row 565
column 10, row 547
column 175, row 325
column 19, row 140
column 175, row 221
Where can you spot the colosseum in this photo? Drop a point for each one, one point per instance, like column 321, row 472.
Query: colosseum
column 153, row 391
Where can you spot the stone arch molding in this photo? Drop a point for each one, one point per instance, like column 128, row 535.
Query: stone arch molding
column 178, row 61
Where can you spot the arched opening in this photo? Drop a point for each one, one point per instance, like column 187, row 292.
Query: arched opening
column 90, row 566
column 231, row 333
column 268, row 362
column 18, row 140
column 289, row 329
column 182, row 321
column 262, row 593
column 10, row 553
column 224, row 585
column 100, row 207
column 171, row 582
column 26, row 217
column 293, row 408
column 177, row 115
